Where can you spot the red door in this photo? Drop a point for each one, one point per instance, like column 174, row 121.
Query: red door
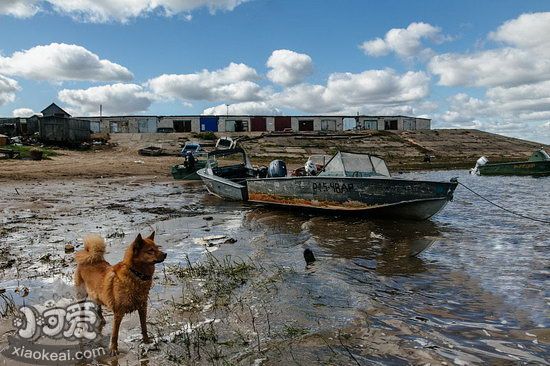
column 281, row 123
column 258, row 124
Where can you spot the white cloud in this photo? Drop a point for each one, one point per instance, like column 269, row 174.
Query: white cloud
column 100, row 11
column 8, row 88
column 501, row 67
column 244, row 108
column 59, row 62
column 515, row 77
column 115, row 99
column 405, row 42
column 526, row 31
column 523, row 59
column 24, row 112
column 232, row 83
column 288, row 67
column 518, row 112
column 347, row 91
column 19, row 8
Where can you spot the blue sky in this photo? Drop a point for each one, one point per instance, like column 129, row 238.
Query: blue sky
column 465, row 64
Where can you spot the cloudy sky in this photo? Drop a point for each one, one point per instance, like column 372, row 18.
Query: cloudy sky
column 465, row 64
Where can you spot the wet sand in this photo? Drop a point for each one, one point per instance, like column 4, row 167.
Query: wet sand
column 70, row 164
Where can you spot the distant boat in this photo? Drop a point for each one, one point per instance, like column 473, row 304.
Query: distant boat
column 195, row 159
column 185, row 172
column 537, row 165
column 349, row 182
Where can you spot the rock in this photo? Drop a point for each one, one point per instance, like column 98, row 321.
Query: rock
column 230, row 241
column 69, row 248
column 22, row 291
column 308, row 256
column 56, row 239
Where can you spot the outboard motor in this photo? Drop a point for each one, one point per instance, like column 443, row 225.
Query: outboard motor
column 480, row 162
column 262, row 172
column 311, row 168
column 277, row 168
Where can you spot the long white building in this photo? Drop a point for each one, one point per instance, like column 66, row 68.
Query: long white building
column 238, row 123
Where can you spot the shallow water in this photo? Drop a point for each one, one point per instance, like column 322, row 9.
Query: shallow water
column 476, row 291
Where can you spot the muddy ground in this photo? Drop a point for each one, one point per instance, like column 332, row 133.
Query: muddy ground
column 220, row 298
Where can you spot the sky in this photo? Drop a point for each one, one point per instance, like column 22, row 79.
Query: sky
column 464, row 64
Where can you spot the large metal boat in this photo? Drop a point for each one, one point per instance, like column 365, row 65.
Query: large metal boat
column 349, row 182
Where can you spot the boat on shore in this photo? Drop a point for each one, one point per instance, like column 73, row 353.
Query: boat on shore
column 537, row 165
column 187, row 172
column 348, row 183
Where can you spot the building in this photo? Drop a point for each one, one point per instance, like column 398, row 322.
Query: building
column 58, row 127
column 246, row 124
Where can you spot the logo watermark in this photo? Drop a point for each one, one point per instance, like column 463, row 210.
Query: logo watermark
column 51, row 335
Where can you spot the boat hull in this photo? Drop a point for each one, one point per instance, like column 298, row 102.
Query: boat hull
column 533, row 168
column 223, row 188
column 374, row 196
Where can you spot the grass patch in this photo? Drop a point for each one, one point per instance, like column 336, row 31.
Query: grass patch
column 25, row 151
column 292, row 332
column 205, row 135
column 211, row 282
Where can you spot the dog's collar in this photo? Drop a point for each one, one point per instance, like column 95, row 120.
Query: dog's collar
column 141, row 276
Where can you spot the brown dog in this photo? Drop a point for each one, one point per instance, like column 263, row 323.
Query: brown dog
column 124, row 287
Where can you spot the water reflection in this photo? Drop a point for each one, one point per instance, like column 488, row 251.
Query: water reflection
column 385, row 246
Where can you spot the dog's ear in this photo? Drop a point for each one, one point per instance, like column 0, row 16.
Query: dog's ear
column 152, row 236
column 138, row 243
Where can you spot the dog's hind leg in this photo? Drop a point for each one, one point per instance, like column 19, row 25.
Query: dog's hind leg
column 100, row 315
column 80, row 286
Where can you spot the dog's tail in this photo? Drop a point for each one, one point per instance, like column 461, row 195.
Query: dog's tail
column 94, row 249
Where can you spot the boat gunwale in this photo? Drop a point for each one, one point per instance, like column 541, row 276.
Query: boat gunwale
column 374, row 177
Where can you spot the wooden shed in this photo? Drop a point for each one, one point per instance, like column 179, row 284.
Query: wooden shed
column 64, row 130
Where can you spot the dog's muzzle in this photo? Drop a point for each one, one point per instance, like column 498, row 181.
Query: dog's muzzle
column 162, row 258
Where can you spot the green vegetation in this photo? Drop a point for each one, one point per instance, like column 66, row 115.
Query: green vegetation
column 205, row 135
column 26, row 151
column 217, row 281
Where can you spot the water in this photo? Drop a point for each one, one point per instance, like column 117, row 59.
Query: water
column 469, row 286
column 478, row 290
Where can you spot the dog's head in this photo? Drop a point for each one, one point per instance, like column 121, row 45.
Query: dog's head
column 144, row 250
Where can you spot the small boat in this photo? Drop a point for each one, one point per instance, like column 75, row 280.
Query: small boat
column 349, row 182
column 185, row 172
column 225, row 143
column 226, row 173
column 195, row 159
column 537, row 165
column 191, row 147
column 152, row 151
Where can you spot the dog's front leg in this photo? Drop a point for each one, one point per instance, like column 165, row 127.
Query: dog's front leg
column 113, row 348
column 143, row 321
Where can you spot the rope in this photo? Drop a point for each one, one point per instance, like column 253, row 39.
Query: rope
column 503, row 208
